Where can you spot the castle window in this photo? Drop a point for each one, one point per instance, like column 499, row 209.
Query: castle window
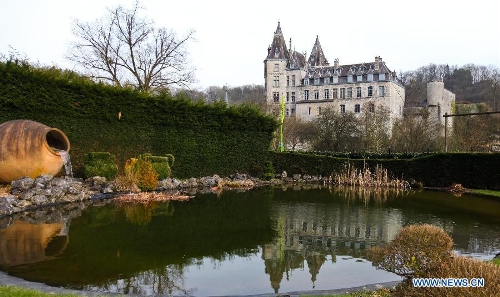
column 293, row 80
column 306, row 81
column 319, row 110
column 381, row 76
column 276, row 81
column 358, row 92
column 371, row 107
column 316, row 94
column 381, row 91
column 370, row 91
column 326, row 80
column 357, row 108
column 316, row 81
column 287, row 80
column 276, row 67
column 276, row 97
column 349, row 92
column 287, row 97
column 349, row 78
column 335, row 79
column 309, row 112
column 287, row 112
column 327, row 94
column 334, row 93
column 369, row 77
column 342, row 108
column 293, row 110
column 359, row 78
column 293, row 96
column 342, row 93
column 306, row 94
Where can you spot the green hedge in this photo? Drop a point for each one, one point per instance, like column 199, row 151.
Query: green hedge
column 100, row 164
column 472, row 170
column 205, row 138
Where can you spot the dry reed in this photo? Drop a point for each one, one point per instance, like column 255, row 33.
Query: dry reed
column 366, row 178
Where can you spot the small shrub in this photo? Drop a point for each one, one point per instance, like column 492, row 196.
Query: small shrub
column 415, row 250
column 161, row 165
column 269, row 171
column 100, row 164
column 139, row 173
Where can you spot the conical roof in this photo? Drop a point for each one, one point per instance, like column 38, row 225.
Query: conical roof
column 317, row 57
column 278, row 49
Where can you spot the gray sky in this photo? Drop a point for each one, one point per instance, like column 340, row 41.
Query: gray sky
column 232, row 36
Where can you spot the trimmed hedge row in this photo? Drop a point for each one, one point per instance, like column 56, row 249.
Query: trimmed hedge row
column 472, row 170
column 205, row 138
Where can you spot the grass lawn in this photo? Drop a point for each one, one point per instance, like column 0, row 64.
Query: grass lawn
column 12, row 291
column 485, row 192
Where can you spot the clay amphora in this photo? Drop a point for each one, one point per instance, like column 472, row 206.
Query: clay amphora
column 29, row 148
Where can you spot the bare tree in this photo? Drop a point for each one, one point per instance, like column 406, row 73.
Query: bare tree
column 417, row 131
column 336, row 131
column 125, row 49
column 297, row 133
column 375, row 127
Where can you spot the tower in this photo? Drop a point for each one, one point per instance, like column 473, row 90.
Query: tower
column 275, row 65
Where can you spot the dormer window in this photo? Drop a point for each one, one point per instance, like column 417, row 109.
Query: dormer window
column 381, row 76
column 316, row 80
column 306, row 81
column 327, row 80
column 359, row 78
column 349, row 78
column 369, row 77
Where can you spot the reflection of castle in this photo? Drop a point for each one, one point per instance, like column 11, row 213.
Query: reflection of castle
column 310, row 232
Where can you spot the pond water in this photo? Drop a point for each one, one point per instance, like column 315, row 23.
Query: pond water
column 266, row 240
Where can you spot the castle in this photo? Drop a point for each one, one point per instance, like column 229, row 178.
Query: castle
column 308, row 86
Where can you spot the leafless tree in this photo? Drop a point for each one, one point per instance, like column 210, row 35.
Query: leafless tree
column 374, row 130
column 417, row 131
column 124, row 48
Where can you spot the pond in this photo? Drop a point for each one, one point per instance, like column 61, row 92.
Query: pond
column 261, row 241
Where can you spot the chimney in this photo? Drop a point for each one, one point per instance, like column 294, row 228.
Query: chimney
column 378, row 60
column 336, row 64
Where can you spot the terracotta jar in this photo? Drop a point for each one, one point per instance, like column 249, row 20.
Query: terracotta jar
column 29, row 148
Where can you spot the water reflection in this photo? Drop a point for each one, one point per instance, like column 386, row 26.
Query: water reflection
column 261, row 241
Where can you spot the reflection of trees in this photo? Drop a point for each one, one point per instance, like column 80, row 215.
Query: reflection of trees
column 141, row 213
column 168, row 280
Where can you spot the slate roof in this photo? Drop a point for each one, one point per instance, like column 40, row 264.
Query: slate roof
column 317, row 57
column 278, row 49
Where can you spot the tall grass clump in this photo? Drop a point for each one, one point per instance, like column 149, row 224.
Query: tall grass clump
column 425, row 251
column 351, row 176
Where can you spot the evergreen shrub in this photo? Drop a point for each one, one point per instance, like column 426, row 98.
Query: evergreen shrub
column 100, row 164
column 161, row 165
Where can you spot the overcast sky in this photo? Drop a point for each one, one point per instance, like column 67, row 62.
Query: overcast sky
column 232, row 37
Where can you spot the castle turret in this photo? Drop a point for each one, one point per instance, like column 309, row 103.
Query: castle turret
column 317, row 57
column 274, row 67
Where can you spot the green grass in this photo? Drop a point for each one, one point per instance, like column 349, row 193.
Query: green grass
column 12, row 291
column 485, row 192
column 496, row 261
column 383, row 292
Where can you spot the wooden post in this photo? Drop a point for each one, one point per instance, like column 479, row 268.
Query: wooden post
column 445, row 132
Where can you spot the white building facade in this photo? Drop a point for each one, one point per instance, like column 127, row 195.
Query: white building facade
column 308, row 86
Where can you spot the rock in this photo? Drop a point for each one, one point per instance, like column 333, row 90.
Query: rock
column 22, row 184
column 42, row 181
column 168, row 184
column 284, row 174
column 296, row 177
column 5, row 207
column 40, row 200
